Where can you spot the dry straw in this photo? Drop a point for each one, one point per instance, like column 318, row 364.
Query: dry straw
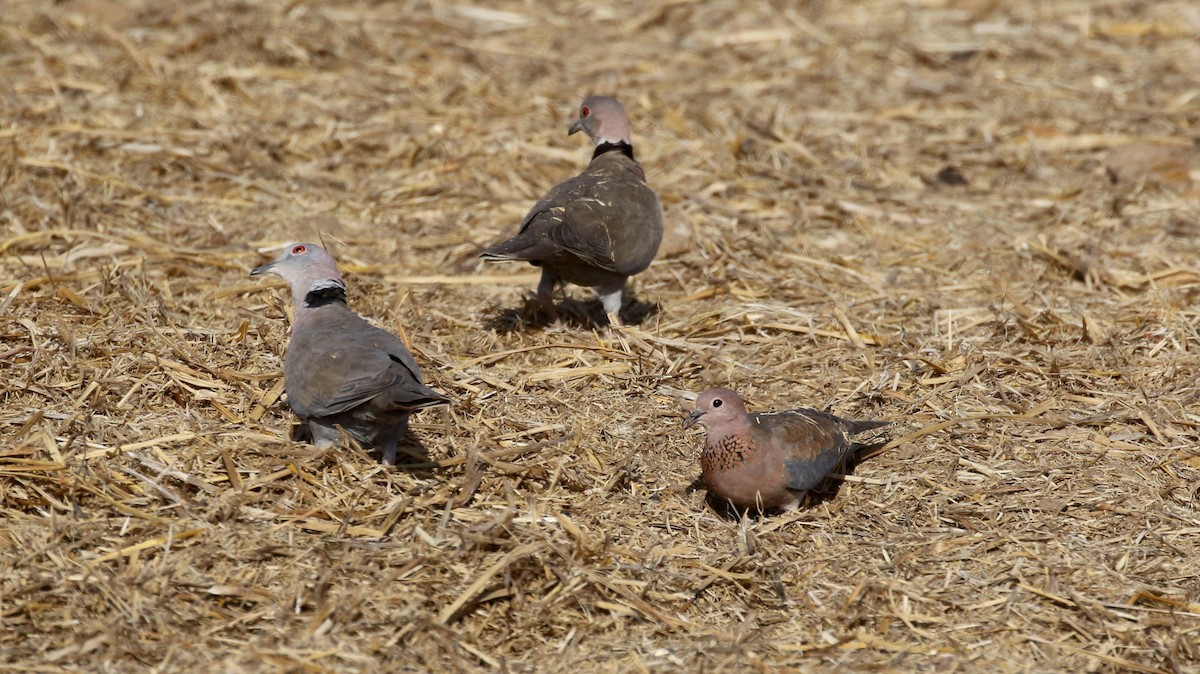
column 894, row 210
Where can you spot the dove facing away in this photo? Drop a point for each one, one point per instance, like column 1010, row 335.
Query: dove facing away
column 598, row 228
column 768, row 460
column 340, row 370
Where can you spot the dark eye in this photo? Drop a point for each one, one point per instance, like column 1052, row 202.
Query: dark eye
column 717, row 403
column 299, row 250
column 584, row 111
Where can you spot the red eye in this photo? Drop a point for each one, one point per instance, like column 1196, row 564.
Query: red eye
column 584, row 111
column 299, row 250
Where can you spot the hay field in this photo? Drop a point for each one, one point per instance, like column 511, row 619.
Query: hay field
column 895, row 210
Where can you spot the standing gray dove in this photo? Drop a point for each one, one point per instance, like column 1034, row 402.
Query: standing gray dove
column 340, row 370
column 598, row 228
column 769, row 459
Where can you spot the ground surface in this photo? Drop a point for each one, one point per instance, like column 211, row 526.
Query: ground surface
column 900, row 210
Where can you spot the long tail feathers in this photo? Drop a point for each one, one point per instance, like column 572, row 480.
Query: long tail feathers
column 505, row 250
column 862, row 425
column 431, row 399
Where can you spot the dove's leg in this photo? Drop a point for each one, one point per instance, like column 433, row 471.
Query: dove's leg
column 797, row 500
column 610, row 297
column 389, row 453
column 545, row 293
column 387, row 442
column 323, row 435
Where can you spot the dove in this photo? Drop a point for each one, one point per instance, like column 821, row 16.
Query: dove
column 768, row 460
column 341, row 371
column 598, row 228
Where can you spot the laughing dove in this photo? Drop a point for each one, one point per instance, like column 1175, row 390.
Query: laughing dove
column 340, row 370
column 769, row 459
column 598, row 228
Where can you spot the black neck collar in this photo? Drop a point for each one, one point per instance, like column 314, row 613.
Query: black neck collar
column 322, row 296
column 619, row 146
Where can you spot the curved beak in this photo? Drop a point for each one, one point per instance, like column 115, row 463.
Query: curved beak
column 692, row 418
column 576, row 127
column 262, row 269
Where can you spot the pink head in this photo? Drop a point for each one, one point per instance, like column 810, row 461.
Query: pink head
column 715, row 407
column 604, row 121
column 307, row 268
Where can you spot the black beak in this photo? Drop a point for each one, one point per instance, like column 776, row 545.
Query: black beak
column 692, row 418
column 576, row 127
column 262, row 269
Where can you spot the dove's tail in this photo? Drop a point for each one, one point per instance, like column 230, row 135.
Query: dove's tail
column 863, row 425
column 513, row 249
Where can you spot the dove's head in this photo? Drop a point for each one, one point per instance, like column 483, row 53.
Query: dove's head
column 715, row 407
column 311, row 272
column 604, row 121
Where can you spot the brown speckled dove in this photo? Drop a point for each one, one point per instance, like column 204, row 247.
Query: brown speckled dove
column 769, row 459
column 340, row 370
column 598, row 228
